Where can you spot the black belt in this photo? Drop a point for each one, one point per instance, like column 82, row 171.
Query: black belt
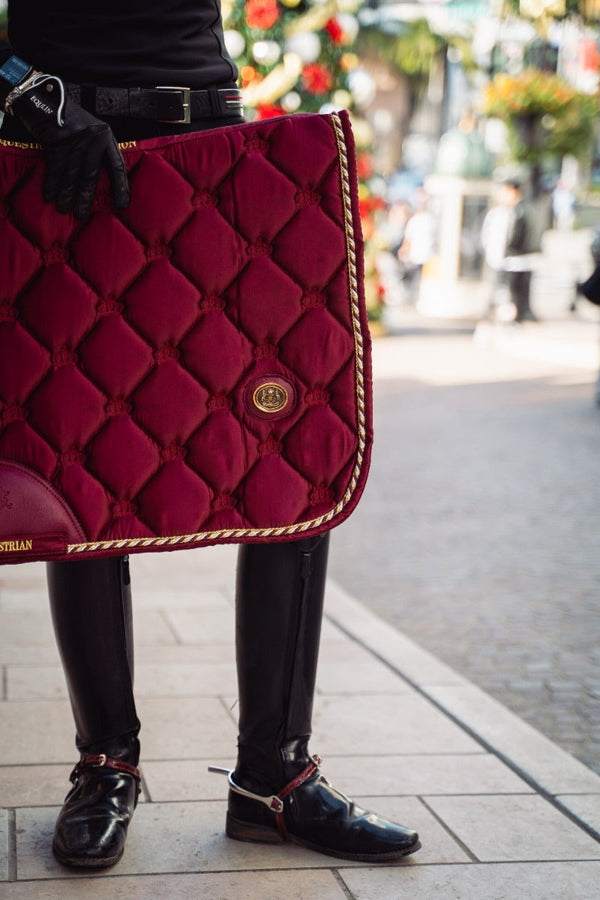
column 162, row 104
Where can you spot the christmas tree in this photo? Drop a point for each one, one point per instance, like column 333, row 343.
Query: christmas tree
column 298, row 56
column 294, row 56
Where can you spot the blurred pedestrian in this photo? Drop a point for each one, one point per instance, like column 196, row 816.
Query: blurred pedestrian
column 418, row 244
column 495, row 232
column 389, row 267
column 518, row 262
column 563, row 206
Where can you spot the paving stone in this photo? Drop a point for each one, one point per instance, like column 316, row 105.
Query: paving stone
column 20, row 600
column 51, row 723
column 358, row 678
column 291, row 884
column 29, row 656
column 33, row 629
column 35, row 683
column 585, row 807
column 182, row 654
column 3, row 845
column 418, row 665
column 343, row 650
column 187, row 598
column 533, row 829
column 385, row 724
column 422, row 774
column 152, row 627
column 186, row 680
column 554, row 769
column 34, row 785
column 519, row 881
column 437, row 846
column 207, row 626
column 212, row 567
column 187, row 728
column 187, row 779
column 24, row 577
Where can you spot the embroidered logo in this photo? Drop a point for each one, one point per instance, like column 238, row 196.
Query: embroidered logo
column 15, row 546
column 270, row 397
column 41, row 105
column 5, row 499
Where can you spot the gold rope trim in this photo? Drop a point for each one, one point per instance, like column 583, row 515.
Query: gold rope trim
column 239, row 534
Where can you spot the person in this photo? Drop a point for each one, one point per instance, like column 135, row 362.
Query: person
column 495, row 232
column 78, row 78
column 387, row 263
column 518, row 246
column 563, row 205
column 417, row 246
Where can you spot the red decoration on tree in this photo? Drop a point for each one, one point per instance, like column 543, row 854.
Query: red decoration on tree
column 317, row 78
column 334, row 31
column 269, row 111
column 368, row 205
column 261, row 13
column 364, row 165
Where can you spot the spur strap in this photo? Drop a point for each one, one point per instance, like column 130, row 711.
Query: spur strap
column 99, row 761
column 273, row 801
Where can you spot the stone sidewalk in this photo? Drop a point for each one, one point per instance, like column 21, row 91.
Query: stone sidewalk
column 502, row 812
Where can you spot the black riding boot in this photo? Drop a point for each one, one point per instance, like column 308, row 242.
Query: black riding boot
column 90, row 603
column 277, row 791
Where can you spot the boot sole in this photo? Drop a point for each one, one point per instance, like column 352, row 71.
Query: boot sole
column 86, row 863
column 259, row 834
column 249, row 831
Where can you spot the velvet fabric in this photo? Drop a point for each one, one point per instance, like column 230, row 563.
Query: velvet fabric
column 192, row 369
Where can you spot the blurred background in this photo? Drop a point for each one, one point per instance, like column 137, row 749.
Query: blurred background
column 449, row 101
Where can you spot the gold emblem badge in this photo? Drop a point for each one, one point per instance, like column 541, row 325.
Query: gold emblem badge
column 270, row 397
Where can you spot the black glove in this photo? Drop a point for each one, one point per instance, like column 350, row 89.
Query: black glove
column 76, row 143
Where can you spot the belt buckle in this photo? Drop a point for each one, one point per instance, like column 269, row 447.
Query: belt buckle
column 185, row 102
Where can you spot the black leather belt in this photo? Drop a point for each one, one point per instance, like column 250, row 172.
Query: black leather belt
column 162, row 104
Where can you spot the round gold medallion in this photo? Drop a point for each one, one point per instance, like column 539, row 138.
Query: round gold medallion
column 270, row 397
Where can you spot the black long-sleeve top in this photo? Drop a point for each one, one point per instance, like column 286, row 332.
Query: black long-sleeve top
column 136, row 43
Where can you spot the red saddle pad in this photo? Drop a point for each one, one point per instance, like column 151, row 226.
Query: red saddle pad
column 193, row 369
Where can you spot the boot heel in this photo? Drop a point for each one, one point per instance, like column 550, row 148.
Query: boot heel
column 249, row 831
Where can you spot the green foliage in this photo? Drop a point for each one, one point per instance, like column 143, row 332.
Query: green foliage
column 544, row 114
column 410, row 52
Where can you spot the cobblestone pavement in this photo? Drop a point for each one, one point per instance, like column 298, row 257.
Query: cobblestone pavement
column 478, row 535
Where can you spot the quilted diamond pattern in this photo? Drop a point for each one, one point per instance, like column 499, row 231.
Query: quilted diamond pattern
column 194, row 368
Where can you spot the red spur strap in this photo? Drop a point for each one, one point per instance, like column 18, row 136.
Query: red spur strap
column 289, row 788
column 101, row 760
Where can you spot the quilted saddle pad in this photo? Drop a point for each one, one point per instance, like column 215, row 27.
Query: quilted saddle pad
column 193, row 369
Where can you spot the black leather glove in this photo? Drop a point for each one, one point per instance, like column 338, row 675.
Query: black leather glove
column 77, row 145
